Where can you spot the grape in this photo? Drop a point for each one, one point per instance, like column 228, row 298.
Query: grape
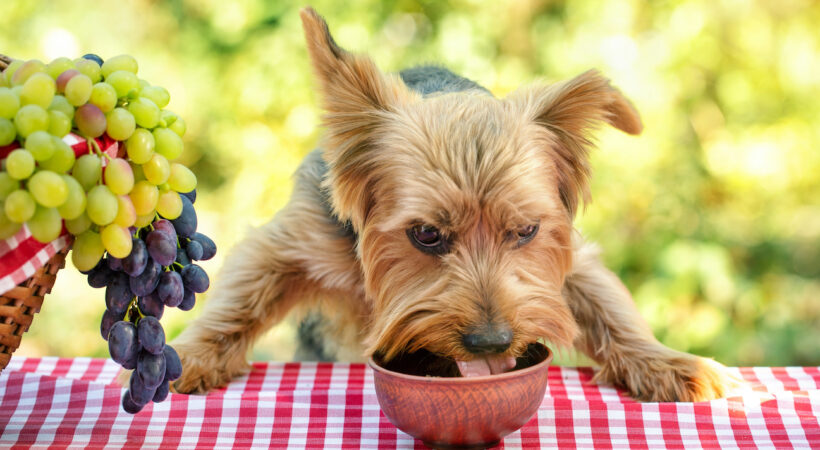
column 182, row 257
column 170, row 289
column 162, row 391
column 121, row 124
column 169, row 205
column 108, row 320
column 114, row 264
column 151, row 368
column 90, row 120
column 7, row 132
column 146, row 282
column 45, row 225
column 119, row 62
column 26, row 70
column 41, row 145
column 117, row 240
column 9, row 72
column 78, row 225
column 9, row 103
column 48, row 188
column 100, row 276
column 194, row 278
column 58, row 123
column 145, row 220
column 177, row 125
column 140, row 146
column 166, row 226
column 8, row 227
column 134, row 264
column 138, row 393
column 62, row 160
column 87, row 250
column 123, row 344
column 156, row 94
column 90, row 69
column 162, row 247
column 104, row 96
column 30, row 118
column 126, row 214
column 93, row 57
column 157, row 169
column 188, row 300
column 118, row 294
column 173, row 366
column 102, row 205
column 59, row 103
column 39, row 89
column 144, row 195
column 87, row 170
column 151, row 335
column 208, row 246
column 20, row 164
column 58, row 66
column 63, row 78
column 145, row 112
column 19, row 206
column 150, row 305
column 78, row 89
column 186, row 223
column 181, row 179
column 118, row 176
column 7, row 185
column 194, row 250
column 122, row 82
column 168, row 143
column 74, row 204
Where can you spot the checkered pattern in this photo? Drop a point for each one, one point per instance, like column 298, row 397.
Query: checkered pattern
column 74, row 403
column 21, row 255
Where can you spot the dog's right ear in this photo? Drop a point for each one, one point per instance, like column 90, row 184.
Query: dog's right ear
column 357, row 99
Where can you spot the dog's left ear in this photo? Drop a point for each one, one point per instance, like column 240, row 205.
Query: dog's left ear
column 569, row 110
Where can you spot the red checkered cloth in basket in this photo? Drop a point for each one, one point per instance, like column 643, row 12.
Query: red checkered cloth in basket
column 21, row 255
column 73, row 403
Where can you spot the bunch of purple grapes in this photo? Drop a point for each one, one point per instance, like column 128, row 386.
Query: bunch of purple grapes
column 158, row 272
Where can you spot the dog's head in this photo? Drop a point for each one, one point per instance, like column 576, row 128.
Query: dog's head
column 463, row 203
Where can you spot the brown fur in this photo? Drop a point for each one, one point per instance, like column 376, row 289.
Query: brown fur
column 476, row 167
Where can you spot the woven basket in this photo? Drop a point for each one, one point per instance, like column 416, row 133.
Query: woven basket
column 18, row 306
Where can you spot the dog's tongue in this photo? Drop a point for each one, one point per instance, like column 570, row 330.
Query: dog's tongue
column 486, row 365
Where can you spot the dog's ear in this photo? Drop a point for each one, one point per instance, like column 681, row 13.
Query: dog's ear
column 569, row 110
column 357, row 99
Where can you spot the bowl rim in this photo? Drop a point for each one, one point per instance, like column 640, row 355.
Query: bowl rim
column 465, row 380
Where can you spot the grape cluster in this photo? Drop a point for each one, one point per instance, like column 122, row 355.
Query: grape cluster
column 157, row 273
column 99, row 196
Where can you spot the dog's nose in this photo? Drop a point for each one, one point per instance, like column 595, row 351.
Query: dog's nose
column 491, row 339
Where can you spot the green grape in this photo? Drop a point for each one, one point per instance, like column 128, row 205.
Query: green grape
column 78, row 90
column 118, row 176
column 39, row 89
column 137, row 170
column 30, row 118
column 58, row 66
column 11, row 69
column 63, row 158
column 87, row 170
column 145, row 220
column 7, row 185
column 101, row 205
column 19, row 206
column 9, row 103
column 7, row 132
column 126, row 214
column 20, row 164
column 104, row 96
column 8, row 227
column 181, row 178
column 121, row 124
column 78, row 225
column 117, row 240
column 45, row 225
column 87, row 250
column 143, row 84
column 26, row 70
column 178, row 127
column 64, row 78
column 122, row 81
column 74, row 204
column 58, row 123
column 145, row 112
column 119, row 62
column 144, row 196
column 48, row 188
column 156, row 94
column 168, row 143
column 90, row 120
column 164, row 187
column 169, row 205
column 140, row 146
column 157, row 169
column 89, row 68
column 41, row 145
column 61, row 104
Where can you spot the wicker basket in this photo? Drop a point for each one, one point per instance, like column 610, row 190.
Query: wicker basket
column 18, row 306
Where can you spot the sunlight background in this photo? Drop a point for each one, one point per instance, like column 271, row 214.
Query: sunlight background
column 711, row 217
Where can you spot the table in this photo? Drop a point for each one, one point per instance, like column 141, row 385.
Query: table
column 72, row 402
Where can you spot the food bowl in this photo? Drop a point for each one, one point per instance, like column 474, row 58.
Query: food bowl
column 473, row 412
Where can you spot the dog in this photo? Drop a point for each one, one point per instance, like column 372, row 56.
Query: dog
column 437, row 218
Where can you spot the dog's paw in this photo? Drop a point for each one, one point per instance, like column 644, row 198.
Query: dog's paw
column 203, row 370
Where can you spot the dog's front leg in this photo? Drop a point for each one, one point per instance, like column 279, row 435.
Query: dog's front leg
column 615, row 335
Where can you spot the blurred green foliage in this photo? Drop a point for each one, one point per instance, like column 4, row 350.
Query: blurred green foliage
column 711, row 217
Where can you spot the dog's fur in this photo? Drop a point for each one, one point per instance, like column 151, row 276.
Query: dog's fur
column 429, row 147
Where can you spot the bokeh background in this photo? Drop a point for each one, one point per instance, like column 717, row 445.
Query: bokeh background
column 711, row 217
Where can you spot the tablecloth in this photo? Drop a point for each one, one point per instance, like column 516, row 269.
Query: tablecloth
column 73, row 402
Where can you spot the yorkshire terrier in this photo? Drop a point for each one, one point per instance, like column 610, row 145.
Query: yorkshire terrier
column 438, row 218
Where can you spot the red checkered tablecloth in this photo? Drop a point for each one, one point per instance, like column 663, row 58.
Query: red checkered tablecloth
column 73, row 403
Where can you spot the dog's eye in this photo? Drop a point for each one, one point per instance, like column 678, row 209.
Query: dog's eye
column 427, row 238
column 526, row 234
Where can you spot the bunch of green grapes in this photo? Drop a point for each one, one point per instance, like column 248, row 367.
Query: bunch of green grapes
column 102, row 200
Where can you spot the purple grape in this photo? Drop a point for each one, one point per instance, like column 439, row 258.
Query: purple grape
column 128, row 404
column 151, row 305
column 100, row 276
column 194, row 250
column 170, row 288
column 118, row 293
column 188, row 300
column 151, row 335
column 109, row 318
column 182, row 257
column 208, row 246
column 123, row 344
column 162, row 247
column 93, row 57
column 162, row 391
column 146, row 282
column 134, row 263
column 114, row 264
column 185, row 224
column 173, row 366
column 195, row 278
column 140, row 394
column 166, row 226
column 151, row 369
column 190, row 195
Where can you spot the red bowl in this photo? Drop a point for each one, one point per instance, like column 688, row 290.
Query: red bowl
column 464, row 412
